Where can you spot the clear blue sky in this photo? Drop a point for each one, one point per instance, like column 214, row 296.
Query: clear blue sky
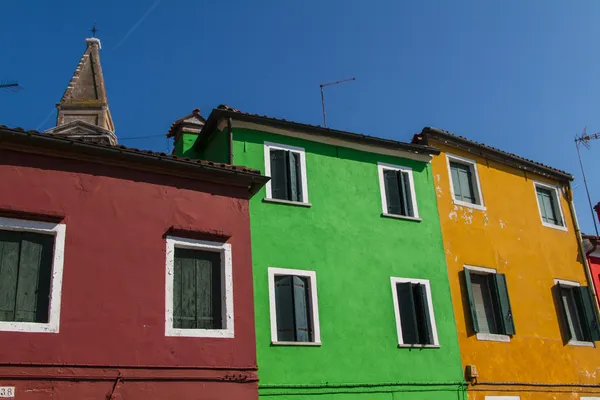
column 520, row 75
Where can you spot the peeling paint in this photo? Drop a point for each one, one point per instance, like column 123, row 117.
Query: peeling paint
column 502, row 224
column 453, row 216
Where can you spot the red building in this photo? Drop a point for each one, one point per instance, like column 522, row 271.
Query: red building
column 124, row 274
column 592, row 246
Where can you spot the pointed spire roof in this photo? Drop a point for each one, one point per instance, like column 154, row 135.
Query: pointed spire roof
column 83, row 110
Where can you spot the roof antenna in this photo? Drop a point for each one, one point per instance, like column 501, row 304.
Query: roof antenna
column 584, row 139
column 323, row 96
column 13, row 86
column 94, row 30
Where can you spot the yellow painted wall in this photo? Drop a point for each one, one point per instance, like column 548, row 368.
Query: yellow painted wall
column 509, row 236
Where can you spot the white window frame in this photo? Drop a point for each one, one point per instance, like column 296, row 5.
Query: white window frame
column 589, row 398
column 475, row 176
column 556, row 198
column 572, row 284
column 226, row 281
column 58, row 231
column 502, row 398
column 314, row 304
column 384, row 206
column 299, row 150
column 395, row 281
column 490, row 337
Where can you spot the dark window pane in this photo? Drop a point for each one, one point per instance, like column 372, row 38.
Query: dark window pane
column 408, row 314
column 279, row 175
column 293, row 309
column 392, row 192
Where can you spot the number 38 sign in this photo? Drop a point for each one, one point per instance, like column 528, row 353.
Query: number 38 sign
column 7, row 392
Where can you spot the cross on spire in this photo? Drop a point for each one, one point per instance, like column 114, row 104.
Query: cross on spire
column 94, row 30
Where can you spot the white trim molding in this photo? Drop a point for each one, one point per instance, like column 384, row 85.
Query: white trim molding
column 481, row 270
column 58, row 231
column 565, row 282
column 475, row 177
column 503, row 398
column 395, row 281
column 555, row 190
column 413, row 194
column 300, row 151
column 589, row 398
column 226, row 283
column 314, row 304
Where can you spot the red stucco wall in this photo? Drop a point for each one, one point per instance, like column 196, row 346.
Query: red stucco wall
column 595, row 269
column 113, row 294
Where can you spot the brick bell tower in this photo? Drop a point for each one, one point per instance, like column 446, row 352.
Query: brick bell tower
column 83, row 111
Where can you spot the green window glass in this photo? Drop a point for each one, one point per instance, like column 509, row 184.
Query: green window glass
column 293, row 311
column 548, row 206
column 286, row 175
column 398, row 193
column 197, row 290
column 25, row 276
column 415, row 318
column 463, row 183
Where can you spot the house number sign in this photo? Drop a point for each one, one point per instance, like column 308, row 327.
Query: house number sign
column 7, row 392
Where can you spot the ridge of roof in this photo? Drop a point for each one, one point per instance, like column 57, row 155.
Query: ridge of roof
column 555, row 172
column 351, row 136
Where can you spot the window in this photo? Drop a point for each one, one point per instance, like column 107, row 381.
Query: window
column 464, row 182
column 286, row 165
column 489, row 303
column 549, row 206
column 397, row 191
column 294, row 307
column 579, row 317
column 415, row 322
column 31, row 266
column 199, row 296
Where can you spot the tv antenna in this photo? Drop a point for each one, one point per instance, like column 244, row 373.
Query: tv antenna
column 11, row 85
column 323, row 96
column 584, row 140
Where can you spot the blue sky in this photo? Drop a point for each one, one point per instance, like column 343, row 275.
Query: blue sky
column 519, row 75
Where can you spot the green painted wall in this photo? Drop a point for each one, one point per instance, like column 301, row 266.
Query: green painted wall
column 218, row 148
column 354, row 252
column 184, row 146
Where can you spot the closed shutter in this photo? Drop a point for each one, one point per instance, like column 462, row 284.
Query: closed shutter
column 507, row 324
column 408, row 317
column 279, row 175
column 392, row 192
column 471, row 299
column 588, row 313
column 407, row 207
column 462, row 181
column 284, row 303
column 422, row 313
column 9, row 266
column 548, row 209
column 301, row 310
column 295, row 176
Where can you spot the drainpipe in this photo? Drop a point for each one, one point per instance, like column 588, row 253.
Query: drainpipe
column 230, row 134
column 582, row 253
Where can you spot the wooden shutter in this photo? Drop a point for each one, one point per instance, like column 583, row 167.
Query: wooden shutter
column 507, row 324
column 422, row 313
column 589, row 318
column 295, row 176
column 9, row 265
column 279, row 175
column 301, row 309
column 284, row 306
column 455, row 180
column 392, row 192
column 407, row 206
column 548, row 208
column 472, row 308
column 569, row 312
column 408, row 317
column 462, row 180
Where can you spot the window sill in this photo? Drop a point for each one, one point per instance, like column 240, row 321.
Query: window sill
column 557, row 227
column 202, row 333
column 288, row 202
column 33, row 327
column 470, row 205
column 314, row 344
column 582, row 344
column 418, row 346
column 493, row 337
column 386, row 215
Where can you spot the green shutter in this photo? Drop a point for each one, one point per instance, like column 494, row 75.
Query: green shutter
column 284, row 306
column 408, row 317
column 548, row 208
column 589, row 318
column 404, row 183
column 422, row 313
column 462, row 181
column 295, row 176
column 279, row 175
column 9, row 266
column 301, row 309
column 455, row 181
column 507, row 325
column 471, row 300
column 392, row 192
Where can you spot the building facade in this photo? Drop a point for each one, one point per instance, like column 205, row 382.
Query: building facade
column 124, row 274
column 352, row 299
column 592, row 249
column 526, row 319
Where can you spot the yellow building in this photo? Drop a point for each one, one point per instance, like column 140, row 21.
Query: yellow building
column 526, row 319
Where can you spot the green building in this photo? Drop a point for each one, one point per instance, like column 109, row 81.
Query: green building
column 351, row 290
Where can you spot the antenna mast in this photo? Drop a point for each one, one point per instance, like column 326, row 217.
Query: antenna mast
column 584, row 139
column 323, row 96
